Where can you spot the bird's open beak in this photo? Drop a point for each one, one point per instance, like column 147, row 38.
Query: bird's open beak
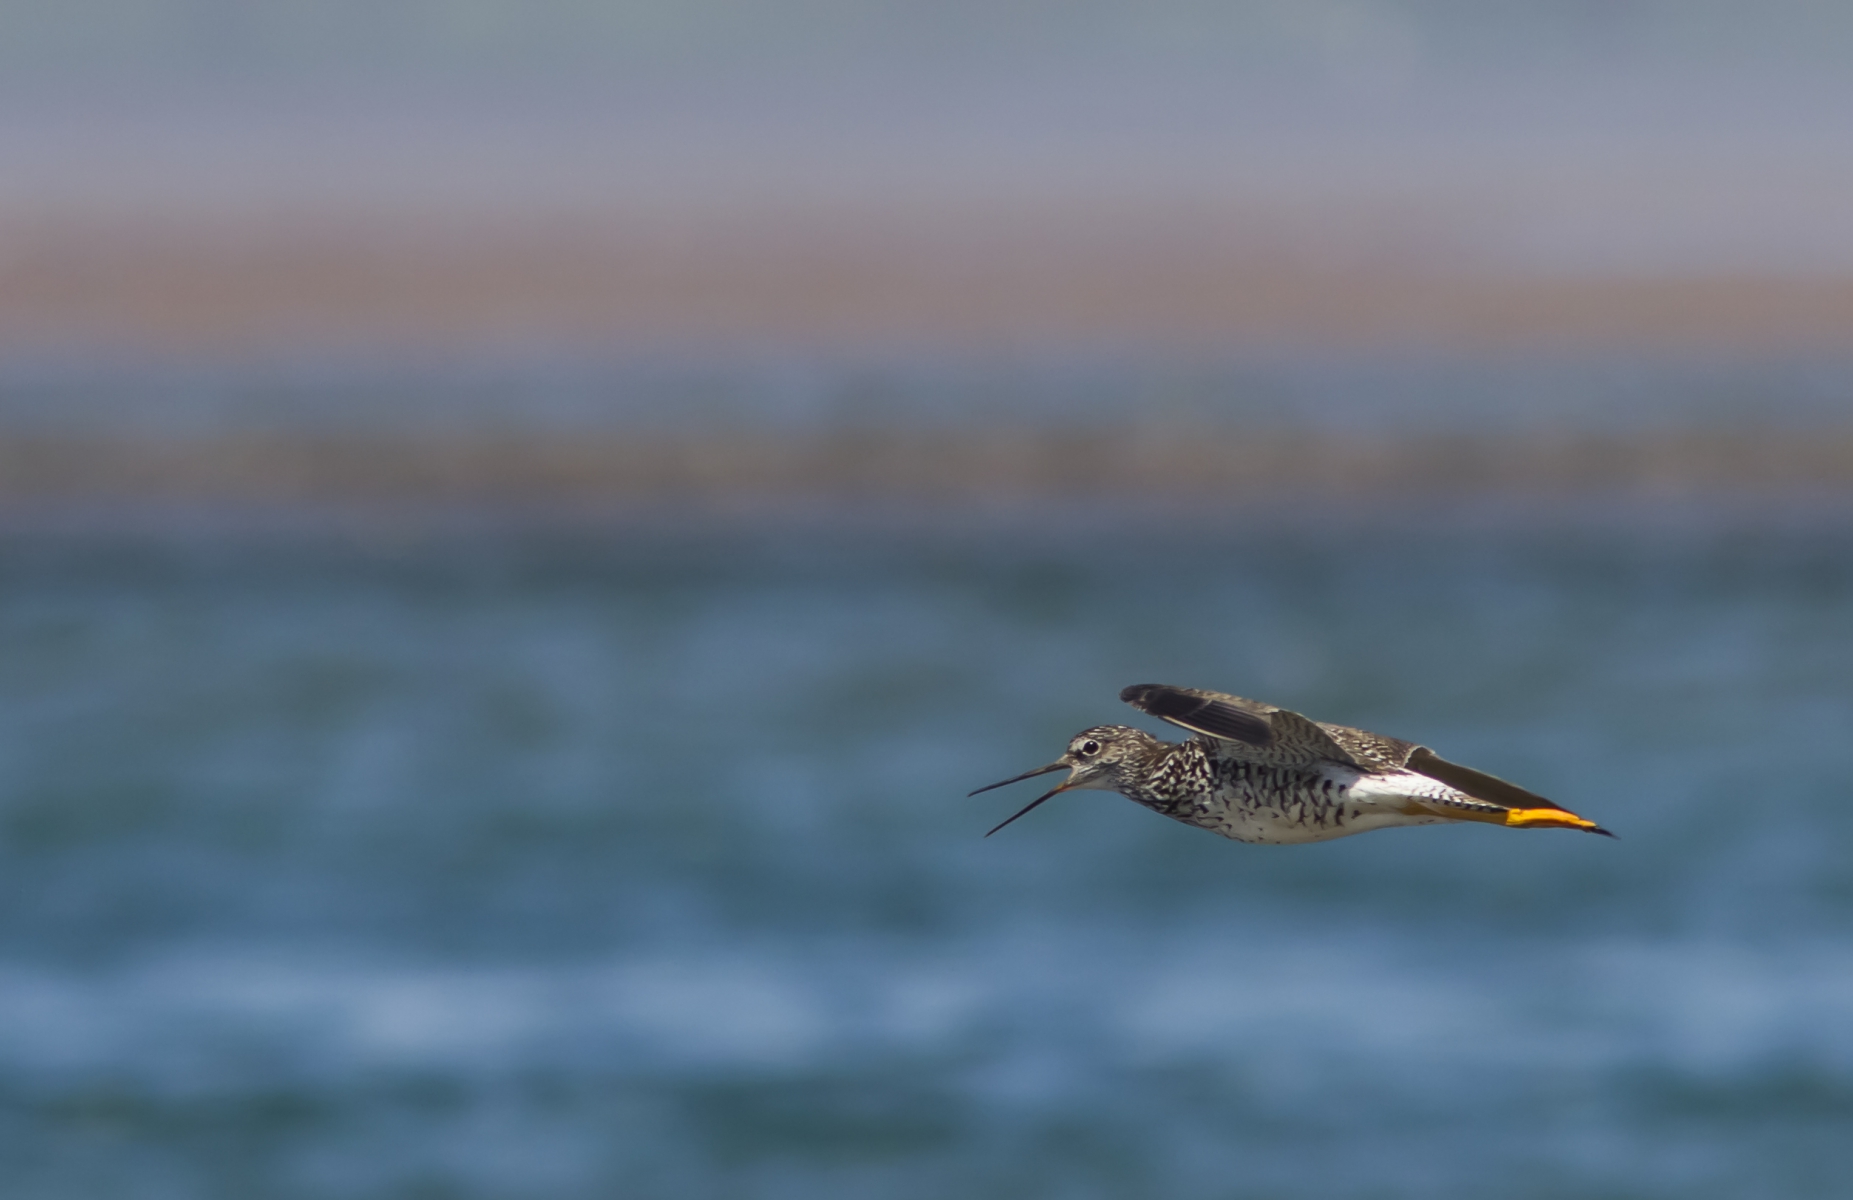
column 1058, row 765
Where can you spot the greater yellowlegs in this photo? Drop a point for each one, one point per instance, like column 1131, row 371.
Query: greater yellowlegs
column 1258, row 773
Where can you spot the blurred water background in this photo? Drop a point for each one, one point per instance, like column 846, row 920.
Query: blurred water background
column 520, row 524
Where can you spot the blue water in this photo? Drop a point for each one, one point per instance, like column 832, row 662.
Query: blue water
column 529, row 862
column 1406, row 395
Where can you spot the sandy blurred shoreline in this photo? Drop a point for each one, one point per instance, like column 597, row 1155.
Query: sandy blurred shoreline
column 826, row 281
column 243, row 261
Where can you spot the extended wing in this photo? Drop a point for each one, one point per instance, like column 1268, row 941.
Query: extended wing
column 1260, row 732
column 1267, row 733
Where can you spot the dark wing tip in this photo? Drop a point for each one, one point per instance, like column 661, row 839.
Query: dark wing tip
column 1199, row 712
column 1477, row 784
column 1605, row 833
column 1137, row 693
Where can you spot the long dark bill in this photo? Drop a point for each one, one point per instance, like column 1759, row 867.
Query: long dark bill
column 1032, row 804
column 1054, row 766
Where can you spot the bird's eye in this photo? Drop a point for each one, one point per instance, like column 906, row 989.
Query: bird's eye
column 1090, row 746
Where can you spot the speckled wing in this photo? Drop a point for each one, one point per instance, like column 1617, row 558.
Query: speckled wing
column 1253, row 731
column 1375, row 751
column 1267, row 733
column 1372, row 751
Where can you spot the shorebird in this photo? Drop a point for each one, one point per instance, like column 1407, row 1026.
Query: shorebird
column 1258, row 773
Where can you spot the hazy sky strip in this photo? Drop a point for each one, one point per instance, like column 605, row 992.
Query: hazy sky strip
column 540, row 38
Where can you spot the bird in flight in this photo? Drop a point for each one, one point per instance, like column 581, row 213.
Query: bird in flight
column 1258, row 773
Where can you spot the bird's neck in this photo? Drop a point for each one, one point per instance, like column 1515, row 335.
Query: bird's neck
column 1158, row 776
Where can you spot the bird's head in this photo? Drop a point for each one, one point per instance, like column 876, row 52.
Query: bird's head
column 1107, row 758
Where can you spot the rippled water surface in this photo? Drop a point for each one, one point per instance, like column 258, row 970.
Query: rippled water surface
column 602, row 863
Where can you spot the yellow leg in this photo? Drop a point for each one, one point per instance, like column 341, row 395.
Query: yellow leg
column 1550, row 818
column 1515, row 818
